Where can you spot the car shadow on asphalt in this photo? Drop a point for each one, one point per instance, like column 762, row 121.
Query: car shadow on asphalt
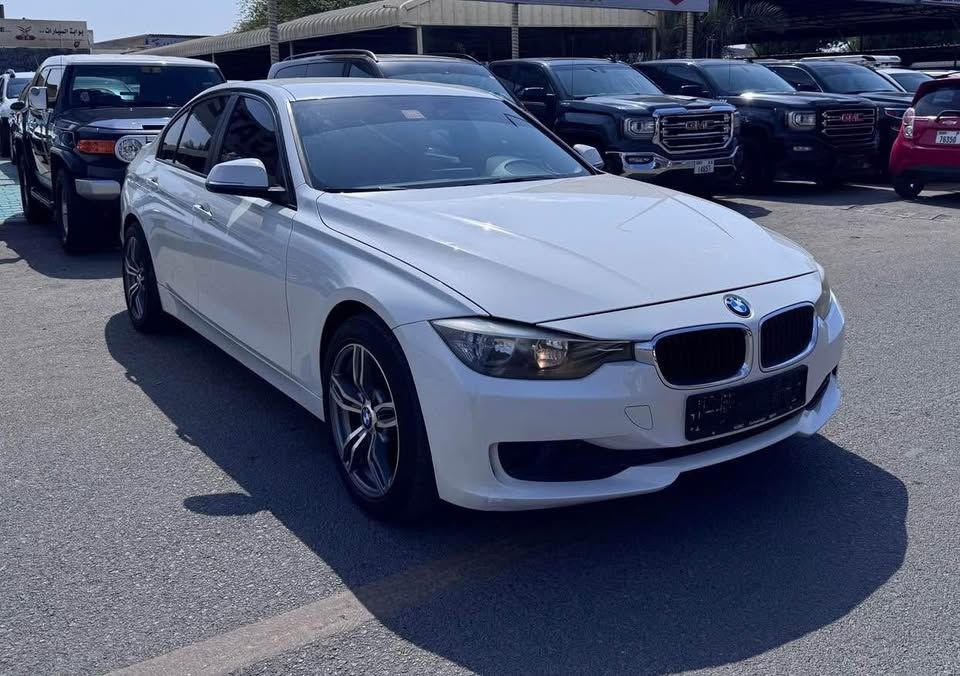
column 39, row 246
column 730, row 562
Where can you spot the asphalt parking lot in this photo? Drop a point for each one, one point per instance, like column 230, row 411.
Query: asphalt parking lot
column 163, row 509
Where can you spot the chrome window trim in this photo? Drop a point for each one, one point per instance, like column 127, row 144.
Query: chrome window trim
column 814, row 337
column 645, row 353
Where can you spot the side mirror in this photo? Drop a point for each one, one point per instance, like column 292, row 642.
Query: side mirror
column 246, row 177
column 17, row 106
column 533, row 94
column 806, row 87
column 37, row 98
column 591, row 155
column 693, row 90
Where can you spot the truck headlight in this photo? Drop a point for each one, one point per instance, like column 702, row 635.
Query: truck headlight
column 507, row 350
column 802, row 119
column 640, row 127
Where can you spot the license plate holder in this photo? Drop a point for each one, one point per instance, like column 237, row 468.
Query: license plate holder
column 948, row 137
column 744, row 406
column 703, row 167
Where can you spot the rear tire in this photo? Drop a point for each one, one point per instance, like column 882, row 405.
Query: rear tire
column 140, row 283
column 33, row 210
column 375, row 422
column 908, row 188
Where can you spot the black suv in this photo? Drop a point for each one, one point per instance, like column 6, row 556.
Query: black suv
column 457, row 69
column 640, row 131
column 836, row 77
column 786, row 134
column 81, row 122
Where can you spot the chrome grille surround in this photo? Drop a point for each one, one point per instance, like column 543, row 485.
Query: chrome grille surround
column 849, row 126
column 646, row 353
column 694, row 132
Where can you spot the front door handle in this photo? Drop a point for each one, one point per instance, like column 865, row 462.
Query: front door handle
column 154, row 181
column 203, row 211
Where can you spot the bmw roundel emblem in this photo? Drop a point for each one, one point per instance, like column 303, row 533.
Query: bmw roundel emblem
column 737, row 305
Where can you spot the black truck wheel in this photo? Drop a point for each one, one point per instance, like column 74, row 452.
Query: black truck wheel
column 73, row 216
column 908, row 188
column 33, row 210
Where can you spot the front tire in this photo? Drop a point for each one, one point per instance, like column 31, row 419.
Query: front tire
column 908, row 188
column 140, row 283
column 376, row 423
column 33, row 210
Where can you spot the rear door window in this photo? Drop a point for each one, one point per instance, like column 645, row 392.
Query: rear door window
column 795, row 76
column 168, row 145
column 325, row 69
column 194, row 147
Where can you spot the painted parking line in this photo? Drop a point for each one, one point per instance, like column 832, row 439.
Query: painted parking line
column 273, row 636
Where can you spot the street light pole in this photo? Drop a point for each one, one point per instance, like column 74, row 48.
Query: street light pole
column 690, row 28
column 273, row 13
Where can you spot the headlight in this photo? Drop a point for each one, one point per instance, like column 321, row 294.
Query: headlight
column 506, row 350
column 802, row 119
column 895, row 113
column 639, row 126
column 825, row 301
column 128, row 147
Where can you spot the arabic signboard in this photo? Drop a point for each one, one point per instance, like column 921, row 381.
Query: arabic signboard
column 663, row 5
column 44, row 34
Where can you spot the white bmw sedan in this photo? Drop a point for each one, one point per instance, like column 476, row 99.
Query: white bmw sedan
column 478, row 313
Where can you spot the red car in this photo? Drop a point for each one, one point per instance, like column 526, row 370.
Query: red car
column 928, row 147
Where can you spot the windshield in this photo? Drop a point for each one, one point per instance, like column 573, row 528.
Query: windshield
column 849, row 78
column 910, row 81
column 138, row 86
column 447, row 72
column 582, row 80
column 424, row 142
column 738, row 77
column 15, row 86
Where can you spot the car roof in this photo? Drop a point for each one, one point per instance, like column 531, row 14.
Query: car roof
column 123, row 59
column 694, row 62
column 304, row 88
column 332, row 55
column 558, row 60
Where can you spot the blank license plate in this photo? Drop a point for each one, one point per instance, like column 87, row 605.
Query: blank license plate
column 741, row 407
column 703, row 167
column 948, row 138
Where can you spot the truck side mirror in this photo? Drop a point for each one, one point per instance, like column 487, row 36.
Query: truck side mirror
column 37, row 98
column 533, row 94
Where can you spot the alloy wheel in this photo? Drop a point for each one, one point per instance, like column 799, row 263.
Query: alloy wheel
column 134, row 273
column 363, row 418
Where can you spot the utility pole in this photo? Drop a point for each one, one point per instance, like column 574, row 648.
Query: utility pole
column 690, row 28
column 273, row 13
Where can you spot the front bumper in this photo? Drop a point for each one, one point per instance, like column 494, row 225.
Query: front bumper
column 97, row 189
column 807, row 159
column 468, row 415
column 647, row 165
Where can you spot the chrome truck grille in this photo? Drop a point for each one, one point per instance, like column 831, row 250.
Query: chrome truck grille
column 695, row 133
column 846, row 126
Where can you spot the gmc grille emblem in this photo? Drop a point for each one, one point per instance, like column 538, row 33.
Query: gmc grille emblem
column 696, row 125
column 852, row 117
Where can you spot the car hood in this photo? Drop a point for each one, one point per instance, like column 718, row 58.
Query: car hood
column 889, row 98
column 546, row 250
column 119, row 119
column 645, row 103
column 796, row 99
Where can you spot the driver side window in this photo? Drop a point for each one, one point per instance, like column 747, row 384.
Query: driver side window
column 252, row 132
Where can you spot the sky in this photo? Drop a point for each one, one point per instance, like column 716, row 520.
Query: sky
column 110, row 19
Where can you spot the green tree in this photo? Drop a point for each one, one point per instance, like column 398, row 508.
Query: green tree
column 253, row 13
column 728, row 22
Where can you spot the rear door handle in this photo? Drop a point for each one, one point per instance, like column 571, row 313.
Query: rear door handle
column 203, row 211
